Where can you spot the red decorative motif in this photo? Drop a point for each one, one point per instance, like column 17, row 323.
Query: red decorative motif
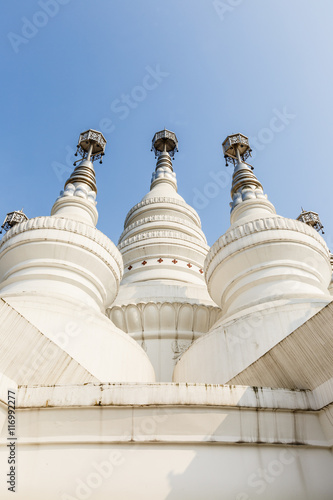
column 160, row 260
column 189, row 265
column 144, row 262
column 200, row 271
column 175, row 261
column 130, row 267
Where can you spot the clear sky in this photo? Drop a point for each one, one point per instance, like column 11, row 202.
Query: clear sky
column 200, row 68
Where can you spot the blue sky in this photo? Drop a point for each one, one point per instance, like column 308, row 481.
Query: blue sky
column 201, row 68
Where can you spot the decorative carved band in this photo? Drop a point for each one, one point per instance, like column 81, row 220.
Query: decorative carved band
column 172, row 201
column 259, row 225
column 64, row 224
column 162, row 218
column 153, row 317
column 162, row 234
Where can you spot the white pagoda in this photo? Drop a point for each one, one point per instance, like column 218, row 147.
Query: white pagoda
column 163, row 369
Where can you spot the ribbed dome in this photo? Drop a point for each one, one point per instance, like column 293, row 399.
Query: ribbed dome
column 264, row 257
column 162, row 237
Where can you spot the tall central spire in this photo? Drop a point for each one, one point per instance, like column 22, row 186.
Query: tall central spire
column 248, row 198
column 163, row 300
column 164, row 145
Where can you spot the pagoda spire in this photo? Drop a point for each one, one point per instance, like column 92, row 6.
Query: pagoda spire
column 78, row 199
column 247, row 194
column 164, row 145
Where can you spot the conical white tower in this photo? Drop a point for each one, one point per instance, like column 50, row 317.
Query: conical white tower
column 269, row 275
column 163, row 301
column 60, row 273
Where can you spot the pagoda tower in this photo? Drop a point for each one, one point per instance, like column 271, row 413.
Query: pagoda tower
column 248, row 323
column 269, row 274
column 60, row 273
column 163, row 302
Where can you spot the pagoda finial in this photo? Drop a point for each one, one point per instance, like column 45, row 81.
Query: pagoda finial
column 91, row 147
column 78, row 199
column 311, row 219
column 245, row 185
column 236, row 149
column 13, row 218
column 164, row 145
column 165, row 141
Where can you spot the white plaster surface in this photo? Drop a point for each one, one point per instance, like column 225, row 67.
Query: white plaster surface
column 82, row 358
